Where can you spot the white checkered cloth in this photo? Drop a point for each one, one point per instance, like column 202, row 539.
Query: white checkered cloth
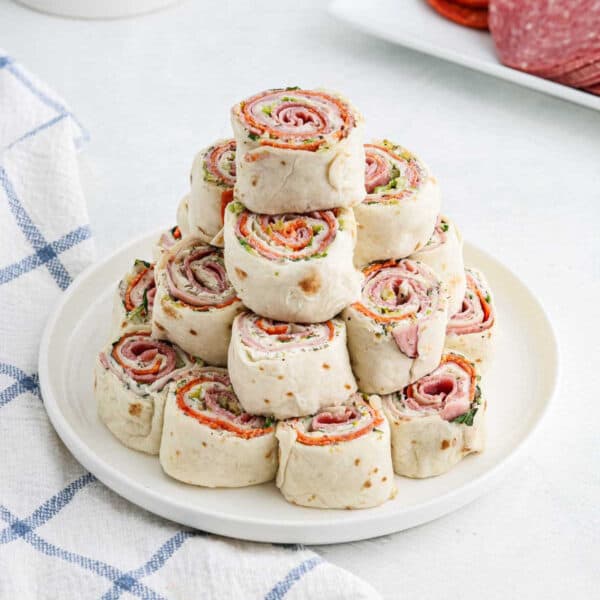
column 62, row 533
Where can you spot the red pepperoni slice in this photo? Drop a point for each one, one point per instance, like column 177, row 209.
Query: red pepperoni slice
column 469, row 16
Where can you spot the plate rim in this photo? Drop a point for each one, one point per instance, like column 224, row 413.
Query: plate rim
column 148, row 499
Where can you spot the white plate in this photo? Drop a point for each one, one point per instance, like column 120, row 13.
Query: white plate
column 414, row 24
column 519, row 389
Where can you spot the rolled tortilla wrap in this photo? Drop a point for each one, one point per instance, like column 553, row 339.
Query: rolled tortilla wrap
column 396, row 330
column 209, row 440
column 444, row 254
column 472, row 329
column 293, row 267
column 195, row 303
column 288, row 369
column 437, row 420
column 398, row 214
column 338, row 458
column 130, row 379
column 166, row 241
column 183, row 216
column 298, row 151
column 134, row 299
column 212, row 181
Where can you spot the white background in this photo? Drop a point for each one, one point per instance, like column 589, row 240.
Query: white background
column 520, row 173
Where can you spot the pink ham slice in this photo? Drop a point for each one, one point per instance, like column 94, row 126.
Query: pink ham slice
column 407, row 339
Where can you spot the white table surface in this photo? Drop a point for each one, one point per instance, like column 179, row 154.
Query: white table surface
column 521, row 176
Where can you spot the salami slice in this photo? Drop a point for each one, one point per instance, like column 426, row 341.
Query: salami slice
column 459, row 12
column 546, row 37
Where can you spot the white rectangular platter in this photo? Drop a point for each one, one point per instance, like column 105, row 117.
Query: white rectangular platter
column 414, row 24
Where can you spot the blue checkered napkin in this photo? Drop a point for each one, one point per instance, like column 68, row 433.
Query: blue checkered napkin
column 62, row 533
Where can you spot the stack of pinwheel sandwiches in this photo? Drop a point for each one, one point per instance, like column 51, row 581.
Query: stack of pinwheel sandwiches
column 308, row 320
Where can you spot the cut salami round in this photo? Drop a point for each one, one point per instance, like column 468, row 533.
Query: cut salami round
column 546, row 37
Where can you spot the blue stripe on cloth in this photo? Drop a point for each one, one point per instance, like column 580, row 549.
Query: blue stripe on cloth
column 156, row 562
column 24, row 383
column 33, row 234
column 37, row 130
column 46, row 511
column 281, row 588
column 95, row 566
column 40, row 257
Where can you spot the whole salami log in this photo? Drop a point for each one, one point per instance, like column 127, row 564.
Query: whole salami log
column 289, row 369
column 398, row 214
column 444, row 254
column 212, row 181
column 338, row 458
column 297, row 151
column 472, row 329
column 292, row 267
column 438, row 420
column 130, row 380
column 396, row 330
column 209, row 440
column 195, row 302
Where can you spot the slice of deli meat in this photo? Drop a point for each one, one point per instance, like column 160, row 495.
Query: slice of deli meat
column 212, row 180
column 209, row 440
column 292, row 267
column 166, row 241
column 398, row 214
column 338, row 458
column 134, row 299
column 472, row 329
column 289, row 369
column 436, row 421
column 195, row 302
column 130, row 380
column 444, row 254
column 546, row 37
column 463, row 12
column 396, row 330
column 298, row 151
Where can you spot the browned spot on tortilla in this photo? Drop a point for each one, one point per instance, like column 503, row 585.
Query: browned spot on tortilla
column 453, row 442
column 367, row 483
column 289, row 394
column 466, row 449
column 326, row 366
column 124, row 324
column 375, row 470
column 170, row 311
column 267, row 401
column 347, row 386
column 254, row 181
column 269, row 454
column 283, row 163
column 357, row 461
column 311, row 285
column 311, row 497
column 135, row 409
column 384, row 479
column 193, row 332
column 159, row 326
column 177, row 453
column 413, row 441
column 240, row 273
column 261, row 368
column 348, row 508
column 445, row 444
column 204, row 444
column 280, row 377
column 171, row 433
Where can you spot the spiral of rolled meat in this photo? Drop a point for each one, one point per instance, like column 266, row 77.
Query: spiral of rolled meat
column 398, row 213
column 130, row 380
column 337, row 458
column 292, row 267
column 444, row 254
column 212, row 182
column 297, row 151
column 195, row 302
column 289, row 369
column 134, row 299
column 209, row 440
column 437, row 420
column 396, row 330
column 471, row 330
